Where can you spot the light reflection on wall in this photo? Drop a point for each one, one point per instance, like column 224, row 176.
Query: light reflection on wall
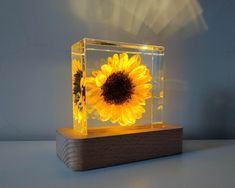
column 163, row 18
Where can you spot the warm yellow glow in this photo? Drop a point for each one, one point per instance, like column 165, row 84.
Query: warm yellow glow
column 112, row 87
column 127, row 110
column 111, row 131
column 160, row 107
column 161, row 94
column 160, row 18
column 144, row 47
column 79, row 111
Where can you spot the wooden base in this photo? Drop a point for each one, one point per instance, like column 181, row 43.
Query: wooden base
column 116, row 146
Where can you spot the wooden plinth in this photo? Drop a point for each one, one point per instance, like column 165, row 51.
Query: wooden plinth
column 116, row 146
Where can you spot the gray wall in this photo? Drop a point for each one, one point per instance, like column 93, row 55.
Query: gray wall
column 35, row 40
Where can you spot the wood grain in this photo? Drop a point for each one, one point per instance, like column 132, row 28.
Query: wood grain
column 102, row 149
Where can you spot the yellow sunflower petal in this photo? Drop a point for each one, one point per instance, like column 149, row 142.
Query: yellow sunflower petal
column 126, row 117
column 132, row 110
column 104, row 118
column 133, row 62
column 106, row 69
column 122, row 61
column 99, row 105
column 90, row 82
column 116, row 62
column 100, row 79
column 143, row 96
column 137, row 100
column 95, row 73
column 94, row 92
column 123, row 121
column 123, row 118
column 138, row 71
column 115, row 114
column 105, row 112
column 128, row 114
column 75, row 111
column 94, row 99
column 142, row 88
column 110, row 61
column 142, row 80
column 148, row 95
column 139, row 111
column 74, row 70
column 76, row 65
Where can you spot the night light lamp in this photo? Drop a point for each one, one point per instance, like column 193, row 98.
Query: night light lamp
column 118, row 102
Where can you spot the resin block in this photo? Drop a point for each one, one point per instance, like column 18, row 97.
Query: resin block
column 116, row 84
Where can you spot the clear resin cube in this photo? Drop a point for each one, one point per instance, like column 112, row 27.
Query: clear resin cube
column 116, row 85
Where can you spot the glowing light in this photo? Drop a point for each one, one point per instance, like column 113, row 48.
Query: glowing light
column 136, row 17
column 119, row 90
column 160, row 107
column 161, row 94
column 144, row 47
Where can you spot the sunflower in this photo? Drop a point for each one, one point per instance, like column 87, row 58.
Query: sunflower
column 78, row 91
column 117, row 92
column 77, row 75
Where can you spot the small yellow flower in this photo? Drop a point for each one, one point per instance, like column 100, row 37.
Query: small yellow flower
column 117, row 92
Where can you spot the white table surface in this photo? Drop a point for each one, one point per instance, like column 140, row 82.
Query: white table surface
column 202, row 164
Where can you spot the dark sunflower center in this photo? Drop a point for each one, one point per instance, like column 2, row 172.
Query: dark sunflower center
column 76, row 83
column 117, row 89
column 77, row 89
